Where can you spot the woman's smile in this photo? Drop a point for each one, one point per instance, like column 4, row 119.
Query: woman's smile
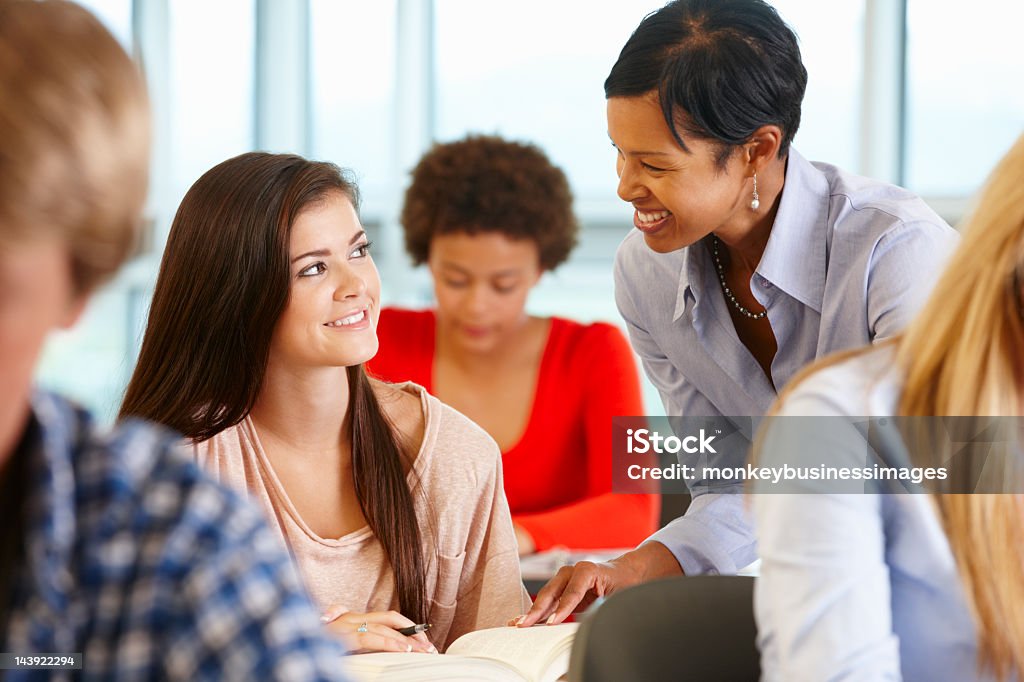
column 355, row 321
column 650, row 222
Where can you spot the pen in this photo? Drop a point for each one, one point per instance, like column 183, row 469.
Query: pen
column 414, row 629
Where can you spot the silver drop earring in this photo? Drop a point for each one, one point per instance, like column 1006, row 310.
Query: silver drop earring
column 755, row 202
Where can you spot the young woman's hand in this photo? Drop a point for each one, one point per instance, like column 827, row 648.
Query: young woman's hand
column 375, row 631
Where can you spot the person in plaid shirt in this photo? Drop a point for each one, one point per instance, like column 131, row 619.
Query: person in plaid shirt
column 113, row 544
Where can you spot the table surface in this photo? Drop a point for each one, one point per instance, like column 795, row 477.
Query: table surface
column 539, row 568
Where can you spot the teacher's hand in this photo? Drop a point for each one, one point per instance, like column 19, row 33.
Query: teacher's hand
column 374, row 631
column 574, row 588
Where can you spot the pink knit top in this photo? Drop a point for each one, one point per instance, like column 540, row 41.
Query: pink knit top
column 473, row 578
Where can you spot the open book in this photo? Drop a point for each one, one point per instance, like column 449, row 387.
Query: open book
column 537, row 654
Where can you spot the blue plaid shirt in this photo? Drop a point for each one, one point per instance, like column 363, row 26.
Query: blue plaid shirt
column 151, row 570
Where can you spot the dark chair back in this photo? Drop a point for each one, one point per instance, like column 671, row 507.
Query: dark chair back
column 692, row 628
column 673, row 505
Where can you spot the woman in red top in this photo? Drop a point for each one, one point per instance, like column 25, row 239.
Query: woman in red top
column 489, row 217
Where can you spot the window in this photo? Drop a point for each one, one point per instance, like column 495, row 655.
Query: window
column 116, row 15
column 831, row 36
column 540, row 80
column 353, row 72
column 212, row 92
column 965, row 103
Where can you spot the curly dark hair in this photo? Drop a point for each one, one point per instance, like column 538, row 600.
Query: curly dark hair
column 484, row 183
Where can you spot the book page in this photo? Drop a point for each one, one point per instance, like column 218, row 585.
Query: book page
column 540, row 652
column 416, row 667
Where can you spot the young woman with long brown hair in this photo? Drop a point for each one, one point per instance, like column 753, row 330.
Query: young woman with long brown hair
column 264, row 311
column 905, row 586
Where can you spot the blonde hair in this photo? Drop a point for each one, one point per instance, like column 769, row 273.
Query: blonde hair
column 961, row 356
column 74, row 135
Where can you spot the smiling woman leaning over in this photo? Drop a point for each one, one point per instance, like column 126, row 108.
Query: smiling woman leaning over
column 264, row 311
column 747, row 262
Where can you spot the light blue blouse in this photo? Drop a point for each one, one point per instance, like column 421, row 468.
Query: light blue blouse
column 849, row 261
column 856, row 586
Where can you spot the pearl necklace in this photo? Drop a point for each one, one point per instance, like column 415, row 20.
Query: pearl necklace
column 725, row 287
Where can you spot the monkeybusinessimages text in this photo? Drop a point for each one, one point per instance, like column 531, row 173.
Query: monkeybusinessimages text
column 644, row 441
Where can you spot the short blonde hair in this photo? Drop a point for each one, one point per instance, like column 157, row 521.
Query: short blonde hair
column 74, row 135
